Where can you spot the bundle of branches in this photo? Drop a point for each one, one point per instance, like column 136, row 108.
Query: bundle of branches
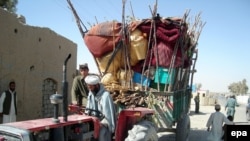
column 129, row 98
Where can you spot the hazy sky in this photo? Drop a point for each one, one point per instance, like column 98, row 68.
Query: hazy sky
column 224, row 44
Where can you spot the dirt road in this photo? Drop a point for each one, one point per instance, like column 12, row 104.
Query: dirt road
column 198, row 123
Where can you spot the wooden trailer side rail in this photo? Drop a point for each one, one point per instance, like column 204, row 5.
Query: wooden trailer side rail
column 169, row 107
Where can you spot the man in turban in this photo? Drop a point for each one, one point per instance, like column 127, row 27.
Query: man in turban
column 101, row 105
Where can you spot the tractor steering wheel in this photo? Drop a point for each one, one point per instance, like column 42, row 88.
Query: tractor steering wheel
column 95, row 113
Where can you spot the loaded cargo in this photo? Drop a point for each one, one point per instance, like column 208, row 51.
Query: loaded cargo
column 149, row 63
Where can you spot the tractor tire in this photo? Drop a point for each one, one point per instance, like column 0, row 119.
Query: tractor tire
column 143, row 131
column 183, row 129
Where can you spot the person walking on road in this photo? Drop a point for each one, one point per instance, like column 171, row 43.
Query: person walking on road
column 230, row 106
column 216, row 121
column 248, row 110
column 8, row 104
column 197, row 102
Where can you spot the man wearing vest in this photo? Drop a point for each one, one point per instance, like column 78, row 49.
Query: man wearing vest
column 8, row 107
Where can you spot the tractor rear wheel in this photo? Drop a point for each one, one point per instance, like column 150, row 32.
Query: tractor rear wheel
column 143, row 131
column 183, row 129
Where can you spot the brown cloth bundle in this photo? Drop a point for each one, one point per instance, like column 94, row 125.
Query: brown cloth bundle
column 102, row 38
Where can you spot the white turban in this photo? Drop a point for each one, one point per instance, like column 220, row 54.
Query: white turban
column 92, row 79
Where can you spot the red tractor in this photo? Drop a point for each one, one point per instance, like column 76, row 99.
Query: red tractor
column 76, row 128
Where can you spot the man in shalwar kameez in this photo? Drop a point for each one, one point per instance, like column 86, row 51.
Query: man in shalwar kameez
column 8, row 104
column 230, row 106
column 99, row 100
column 216, row 120
column 248, row 110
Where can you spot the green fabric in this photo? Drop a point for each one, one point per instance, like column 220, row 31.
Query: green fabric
column 231, row 103
column 79, row 91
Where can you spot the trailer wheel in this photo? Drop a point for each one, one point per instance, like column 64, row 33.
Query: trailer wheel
column 183, row 129
column 143, row 131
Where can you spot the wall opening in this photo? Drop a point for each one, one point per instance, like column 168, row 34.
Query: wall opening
column 15, row 30
column 49, row 88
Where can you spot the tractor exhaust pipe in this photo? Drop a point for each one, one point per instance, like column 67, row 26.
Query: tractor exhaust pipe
column 65, row 90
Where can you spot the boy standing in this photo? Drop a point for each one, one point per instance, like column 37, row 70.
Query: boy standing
column 216, row 120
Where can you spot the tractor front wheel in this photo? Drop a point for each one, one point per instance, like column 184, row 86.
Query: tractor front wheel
column 143, row 131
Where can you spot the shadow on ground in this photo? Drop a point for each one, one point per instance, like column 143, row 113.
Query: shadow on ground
column 191, row 113
column 198, row 134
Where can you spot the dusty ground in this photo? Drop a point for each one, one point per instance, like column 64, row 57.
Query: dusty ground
column 198, row 123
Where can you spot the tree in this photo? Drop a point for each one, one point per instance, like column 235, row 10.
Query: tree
column 10, row 5
column 239, row 87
